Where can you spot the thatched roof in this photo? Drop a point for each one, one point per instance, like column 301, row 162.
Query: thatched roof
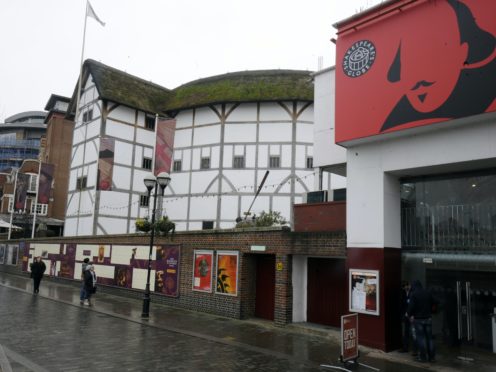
column 247, row 86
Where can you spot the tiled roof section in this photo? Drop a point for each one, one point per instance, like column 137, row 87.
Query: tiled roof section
column 247, row 86
column 121, row 87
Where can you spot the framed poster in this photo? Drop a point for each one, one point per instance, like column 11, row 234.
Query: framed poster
column 202, row 271
column 364, row 291
column 227, row 273
column 167, row 270
column 2, row 253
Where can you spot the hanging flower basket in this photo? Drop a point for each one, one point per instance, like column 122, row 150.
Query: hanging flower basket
column 142, row 224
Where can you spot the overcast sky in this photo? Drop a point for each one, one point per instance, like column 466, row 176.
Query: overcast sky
column 169, row 42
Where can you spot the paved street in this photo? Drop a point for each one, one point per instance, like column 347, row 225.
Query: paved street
column 52, row 332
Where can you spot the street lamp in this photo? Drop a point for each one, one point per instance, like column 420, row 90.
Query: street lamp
column 151, row 182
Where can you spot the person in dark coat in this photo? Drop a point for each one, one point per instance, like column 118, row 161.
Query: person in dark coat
column 420, row 313
column 82, row 292
column 38, row 268
column 405, row 320
column 89, row 283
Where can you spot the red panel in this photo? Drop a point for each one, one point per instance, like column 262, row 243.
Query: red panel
column 383, row 331
column 330, row 216
column 420, row 64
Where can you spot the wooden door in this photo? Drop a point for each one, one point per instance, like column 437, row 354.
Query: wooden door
column 326, row 291
column 265, row 287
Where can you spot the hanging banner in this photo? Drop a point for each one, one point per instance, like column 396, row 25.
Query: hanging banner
column 164, row 145
column 45, row 183
column 22, row 185
column 106, row 163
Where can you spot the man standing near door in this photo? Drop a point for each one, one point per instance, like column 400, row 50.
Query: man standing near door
column 420, row 313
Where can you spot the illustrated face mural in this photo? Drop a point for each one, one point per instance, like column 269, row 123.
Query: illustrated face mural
column 430, row 78
column 431, row 62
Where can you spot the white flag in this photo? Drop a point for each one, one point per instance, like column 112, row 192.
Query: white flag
column 91, row 13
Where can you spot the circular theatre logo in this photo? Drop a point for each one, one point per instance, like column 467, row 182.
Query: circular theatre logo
column 359, row 58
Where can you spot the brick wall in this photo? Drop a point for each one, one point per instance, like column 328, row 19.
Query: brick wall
column 277, row 241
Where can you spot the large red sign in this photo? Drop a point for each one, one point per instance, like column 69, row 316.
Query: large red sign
column 413, row 64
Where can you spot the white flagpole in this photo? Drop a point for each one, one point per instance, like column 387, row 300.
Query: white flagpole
column 78, row 94
column 13, row 205
column 36, row 201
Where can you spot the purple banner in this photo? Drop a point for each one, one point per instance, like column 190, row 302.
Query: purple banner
column 167, row 270
column 45, row 183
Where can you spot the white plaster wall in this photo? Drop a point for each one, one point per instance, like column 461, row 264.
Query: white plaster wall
column 326, row 152
column 144, row 136
column 229, row 207
column 77, row 156
column 240, row 133
column 215, row 157
column 250, row 156
column 177, row 209
column 307, row 114
column 184, row 119
column 203, row 208
column 201, row 180
column 139, row 176
column 122, row 113
column 123, row 153
column 304, row 132
column 121, row 177
column 286, row 155
column 275, row 132
column 114, row 203
column 205, row 115
column 121, row 131
column 182, row 138
column 111, row 225
column 91, row 152
column 240, row 178
column 282, row 204
column 93, row 129
column 263, row 156
column 244, row 112
column 85, row 226
column 228, row 156
column 206, row 135
column 271, row 111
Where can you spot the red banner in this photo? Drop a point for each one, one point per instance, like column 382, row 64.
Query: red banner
column 418, row 64
column 106, row 163
column 164, row 145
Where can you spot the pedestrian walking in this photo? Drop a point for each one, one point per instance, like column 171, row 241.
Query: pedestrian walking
column 407, row 325
column 38, row 268
column 82, row 292
column 420, row 313
column 89, row 283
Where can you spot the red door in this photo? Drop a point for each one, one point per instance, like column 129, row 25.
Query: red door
column 326, row 291
column 265, row 287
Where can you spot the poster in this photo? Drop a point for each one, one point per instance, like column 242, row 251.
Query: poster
column 227, row 273
column 364, row 291
column 123, row 276
column 167, row 270
column 202, row 271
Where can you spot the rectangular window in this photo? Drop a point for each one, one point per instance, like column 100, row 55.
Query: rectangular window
column 81, row 183
column 177, row 166
column 87, row 116
column 274, row 162
column 205, row 163
column 10, row 208
column 150, row 122
column 147, row 163
column 144, row 201
column 239, row 162
column 309, row 162
column 207, row 225
column 41, row 209
column 33, row 183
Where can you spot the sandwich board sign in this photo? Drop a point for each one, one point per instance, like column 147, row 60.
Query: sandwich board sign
column 349, row 337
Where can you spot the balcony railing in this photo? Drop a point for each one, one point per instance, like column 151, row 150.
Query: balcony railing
column 453, row 227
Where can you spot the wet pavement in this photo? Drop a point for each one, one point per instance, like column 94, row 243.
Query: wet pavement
column 53, row 332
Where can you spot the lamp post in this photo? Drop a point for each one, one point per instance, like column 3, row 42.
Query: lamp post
column 151, row 182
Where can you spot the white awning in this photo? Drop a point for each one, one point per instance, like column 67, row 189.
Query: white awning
column 7, row 225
